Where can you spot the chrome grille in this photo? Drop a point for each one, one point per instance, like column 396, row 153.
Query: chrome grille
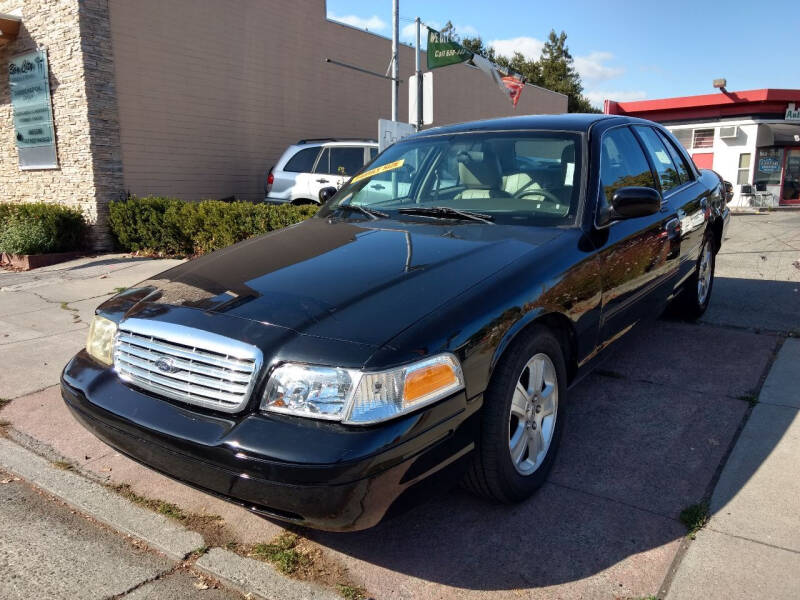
column 186, row 364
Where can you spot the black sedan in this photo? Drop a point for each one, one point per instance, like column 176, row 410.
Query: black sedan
column 426, row 324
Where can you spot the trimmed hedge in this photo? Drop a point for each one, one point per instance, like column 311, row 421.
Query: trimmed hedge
column 172, row 227
column 40, row 228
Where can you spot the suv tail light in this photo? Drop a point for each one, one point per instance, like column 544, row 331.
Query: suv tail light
column 270, row 179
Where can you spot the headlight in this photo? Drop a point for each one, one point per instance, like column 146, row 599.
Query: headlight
column 357, row 397
column 100, row 341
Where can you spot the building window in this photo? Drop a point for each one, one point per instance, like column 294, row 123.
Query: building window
column 684, row 137
column 702, row 138
column 743, row 176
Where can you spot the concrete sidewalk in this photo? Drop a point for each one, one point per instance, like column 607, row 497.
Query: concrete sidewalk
column 751, row 545
column 44, row 314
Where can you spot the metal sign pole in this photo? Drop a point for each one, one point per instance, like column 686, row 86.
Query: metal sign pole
column 395, row 69
column 419, row 81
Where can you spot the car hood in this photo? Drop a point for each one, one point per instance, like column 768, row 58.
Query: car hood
column 357, row 281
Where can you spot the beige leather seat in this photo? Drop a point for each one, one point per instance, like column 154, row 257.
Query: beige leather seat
column 479, row 172
column 514, row 182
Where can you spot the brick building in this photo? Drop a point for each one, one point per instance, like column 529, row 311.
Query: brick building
column 197, row 98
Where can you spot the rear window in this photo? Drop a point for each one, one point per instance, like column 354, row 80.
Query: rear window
column 303, row 161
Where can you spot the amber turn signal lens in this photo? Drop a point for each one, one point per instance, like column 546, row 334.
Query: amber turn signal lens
column 428, row 380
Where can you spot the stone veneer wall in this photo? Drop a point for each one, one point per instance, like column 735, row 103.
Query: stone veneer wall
column 77, row 36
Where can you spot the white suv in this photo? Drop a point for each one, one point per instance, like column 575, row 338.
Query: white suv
column 310, row 165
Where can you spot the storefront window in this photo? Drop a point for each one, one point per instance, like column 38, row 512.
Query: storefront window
column 744, row 169
column 768, row 167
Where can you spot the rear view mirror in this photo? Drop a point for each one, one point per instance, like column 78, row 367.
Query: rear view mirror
column 326, row 194
column 632, row 202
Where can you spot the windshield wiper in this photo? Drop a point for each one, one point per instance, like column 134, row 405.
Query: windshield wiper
column 446, row 212
column 370, row 212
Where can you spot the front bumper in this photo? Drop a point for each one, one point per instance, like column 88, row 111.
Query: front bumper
column 312, row 473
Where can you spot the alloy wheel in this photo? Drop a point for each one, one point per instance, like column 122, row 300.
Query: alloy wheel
column 532, row 418
column 704, row 274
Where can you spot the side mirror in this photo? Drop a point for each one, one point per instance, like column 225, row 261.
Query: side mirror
column 326, row 194
column 632, row 202
column 728, row 191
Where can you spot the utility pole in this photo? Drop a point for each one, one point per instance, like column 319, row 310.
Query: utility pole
column 419, row 80
column 395, row 67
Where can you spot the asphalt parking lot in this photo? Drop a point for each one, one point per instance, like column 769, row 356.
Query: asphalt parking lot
column 646, row 436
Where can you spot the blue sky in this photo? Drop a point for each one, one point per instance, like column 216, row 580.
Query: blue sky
column 624, row 50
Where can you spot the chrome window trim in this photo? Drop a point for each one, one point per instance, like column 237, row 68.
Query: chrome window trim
column 233, row 391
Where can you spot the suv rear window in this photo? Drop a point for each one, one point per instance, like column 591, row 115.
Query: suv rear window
column 303, row 161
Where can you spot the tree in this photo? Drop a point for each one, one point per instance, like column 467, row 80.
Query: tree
column 554, row 70
column 559, row 74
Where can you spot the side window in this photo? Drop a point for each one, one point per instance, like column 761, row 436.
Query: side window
column 684, row 171
column 622, row 164
column 346, row 160
column 662, row 161
column 323, row 164
column 303, row 161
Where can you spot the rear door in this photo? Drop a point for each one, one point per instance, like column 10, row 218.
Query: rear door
column 684, row 196
column 336, row 164
column 635, row 253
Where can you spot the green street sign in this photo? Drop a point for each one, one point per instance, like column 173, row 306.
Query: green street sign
column 442, row 51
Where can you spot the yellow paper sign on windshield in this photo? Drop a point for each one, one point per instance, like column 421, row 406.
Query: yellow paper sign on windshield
column 382, row 169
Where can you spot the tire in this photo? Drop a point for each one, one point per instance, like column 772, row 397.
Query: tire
column 693, row 300
column 506, row 416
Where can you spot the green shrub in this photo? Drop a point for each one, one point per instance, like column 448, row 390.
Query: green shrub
column 168, row 226
column 38, row 228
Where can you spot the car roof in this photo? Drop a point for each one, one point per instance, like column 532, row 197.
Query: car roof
column 562, row 122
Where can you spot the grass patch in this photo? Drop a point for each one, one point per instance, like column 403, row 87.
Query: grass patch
column 695, row 517
column 119, row 290
column 751, row 399
column 63, row 465
column 283, row 553
column 173, row 511
column 351, row 592
column 66, row 306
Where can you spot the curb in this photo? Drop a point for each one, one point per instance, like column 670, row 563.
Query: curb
column 100, row 503
column 247, row 575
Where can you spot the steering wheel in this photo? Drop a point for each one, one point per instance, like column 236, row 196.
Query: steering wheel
column 539, row 192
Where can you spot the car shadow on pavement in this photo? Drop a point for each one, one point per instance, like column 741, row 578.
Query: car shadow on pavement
column 645, row 437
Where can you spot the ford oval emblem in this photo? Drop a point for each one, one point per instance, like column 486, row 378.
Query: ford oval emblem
column 165, row 365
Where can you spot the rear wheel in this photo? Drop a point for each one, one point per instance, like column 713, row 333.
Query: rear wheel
column 522, row 420
column 694, row 298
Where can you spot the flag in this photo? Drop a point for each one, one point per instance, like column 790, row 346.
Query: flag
column 443, row 51
column 510, row 83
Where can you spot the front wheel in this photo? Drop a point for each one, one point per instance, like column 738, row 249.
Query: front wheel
column 693, row 300
column 522, row 420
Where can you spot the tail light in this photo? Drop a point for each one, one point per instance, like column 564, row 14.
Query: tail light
column 270, row 179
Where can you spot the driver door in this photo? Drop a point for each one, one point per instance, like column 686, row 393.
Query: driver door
column 636, row 254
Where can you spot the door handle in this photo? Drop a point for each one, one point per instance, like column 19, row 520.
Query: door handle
column 377, row 186
column 672, row 228
column 322, row 181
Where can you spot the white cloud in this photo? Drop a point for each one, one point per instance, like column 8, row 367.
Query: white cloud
column 593, row 68
column 596, row 97
column 373, row 23
column 529, row 47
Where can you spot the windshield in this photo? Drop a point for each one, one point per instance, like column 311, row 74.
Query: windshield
column 522, row 177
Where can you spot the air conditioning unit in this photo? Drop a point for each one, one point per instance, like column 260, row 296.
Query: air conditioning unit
column 729, row 132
